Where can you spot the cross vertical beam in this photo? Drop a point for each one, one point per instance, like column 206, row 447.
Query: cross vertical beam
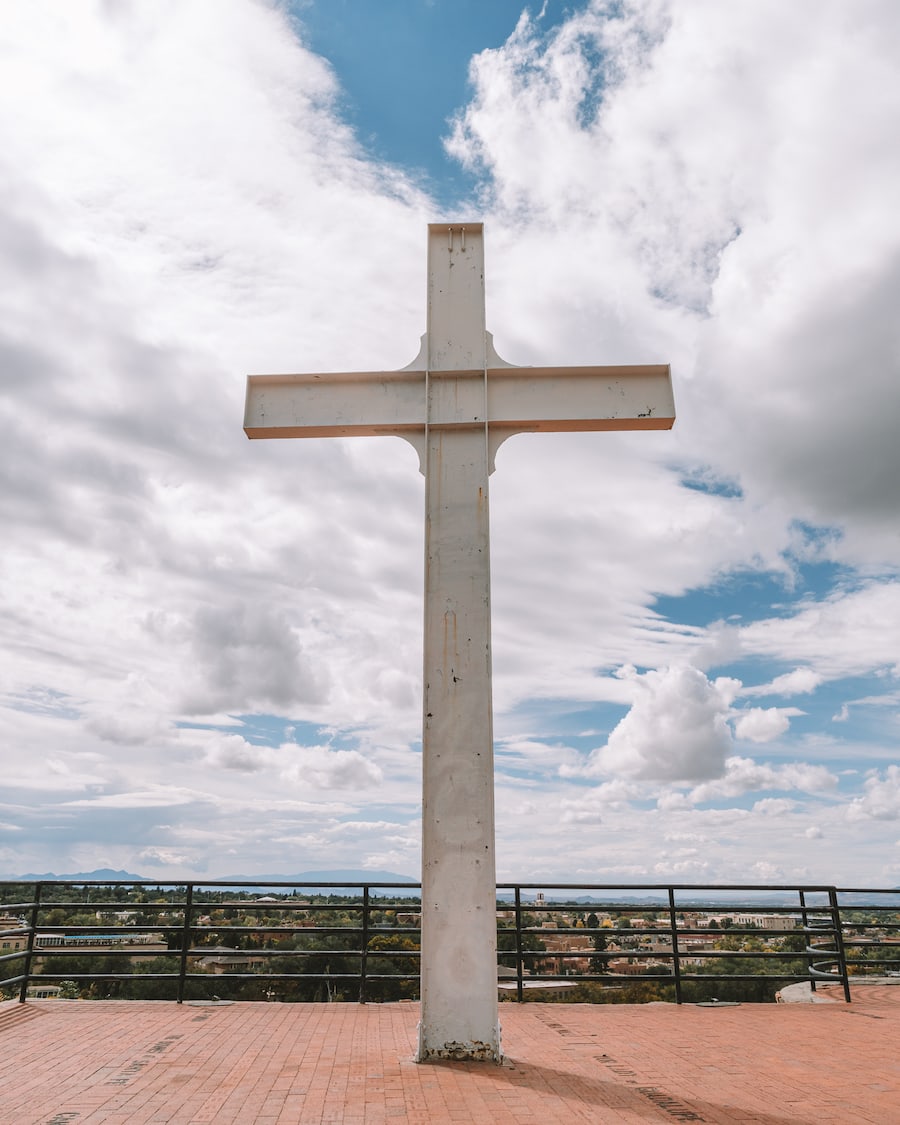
column 456, row 402
column 459, row 922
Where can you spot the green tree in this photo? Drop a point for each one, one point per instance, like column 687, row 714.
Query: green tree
column 630, row 992
column 400, row 967
column 599, row 964
column 506, row 946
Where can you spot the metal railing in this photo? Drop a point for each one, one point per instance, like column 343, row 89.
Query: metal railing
column 676, row 948
column 361, row 941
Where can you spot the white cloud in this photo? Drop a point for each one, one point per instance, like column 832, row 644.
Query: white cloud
column 231, row 752
column 849, row 632
column 696, row 869
column 528, row 754
column 775, row 806
column 158, row 797
column 802, row 681
column 765, row 871
column 881, row 797
column 707, row 153
column 590, row 807
column 744, row 775
column 165, row 857
column 323, row 768
column 674, row 801
column 247, row 659
column 763, row 724
column 676, row 729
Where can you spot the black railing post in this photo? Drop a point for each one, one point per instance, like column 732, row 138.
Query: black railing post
column 520, row 984
column 364, row 952
column 29, row 949
column 805, row 917
column 833, row 967
column 839, row 941
column 676, row 958
column 185, row 939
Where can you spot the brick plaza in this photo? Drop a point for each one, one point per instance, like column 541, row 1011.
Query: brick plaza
column 142, row 1062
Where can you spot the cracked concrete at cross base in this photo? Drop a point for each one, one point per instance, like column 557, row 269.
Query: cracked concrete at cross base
column 463, row 1052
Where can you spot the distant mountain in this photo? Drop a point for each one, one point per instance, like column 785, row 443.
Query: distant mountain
column 345, row 876
column 347, row 881
column 103, row 873
column 335, row 879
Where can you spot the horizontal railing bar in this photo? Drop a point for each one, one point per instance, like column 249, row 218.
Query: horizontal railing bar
column 868, row 943
column 718, row 935
column 57, row 952
column 868, row 891
column 269, row 953
column 124, row 933
column 102, row 931
column 664, row 977
column 664, row 954
column 653, row 906
column 262, row 928
column 261, row 955
column 544, row 887
column 613, row 980
column 875, row 925
column 212, row 885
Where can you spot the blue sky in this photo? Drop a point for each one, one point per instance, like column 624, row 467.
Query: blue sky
column 403, row 72
column 211, row 652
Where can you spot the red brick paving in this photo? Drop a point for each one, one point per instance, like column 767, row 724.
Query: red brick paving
column 149, row 1063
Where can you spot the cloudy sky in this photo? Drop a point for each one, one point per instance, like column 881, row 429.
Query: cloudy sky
column 211, row 648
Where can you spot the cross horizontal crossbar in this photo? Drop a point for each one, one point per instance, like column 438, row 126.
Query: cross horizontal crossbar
column 532, row 399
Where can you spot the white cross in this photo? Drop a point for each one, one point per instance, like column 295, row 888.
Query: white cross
column 456, row 402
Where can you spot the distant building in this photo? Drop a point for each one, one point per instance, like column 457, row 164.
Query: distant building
column 508, row 986
column 219, row 959
column 11, row 942
column 98, row 941
column 626, row 967
column 43, row 992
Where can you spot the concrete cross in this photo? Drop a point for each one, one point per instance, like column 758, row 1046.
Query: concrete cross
column 456, row 402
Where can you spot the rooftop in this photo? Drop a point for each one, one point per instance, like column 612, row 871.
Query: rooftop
column 142, row 1062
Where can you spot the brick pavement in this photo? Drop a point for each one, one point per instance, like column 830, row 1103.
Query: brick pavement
column 149, row 1063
